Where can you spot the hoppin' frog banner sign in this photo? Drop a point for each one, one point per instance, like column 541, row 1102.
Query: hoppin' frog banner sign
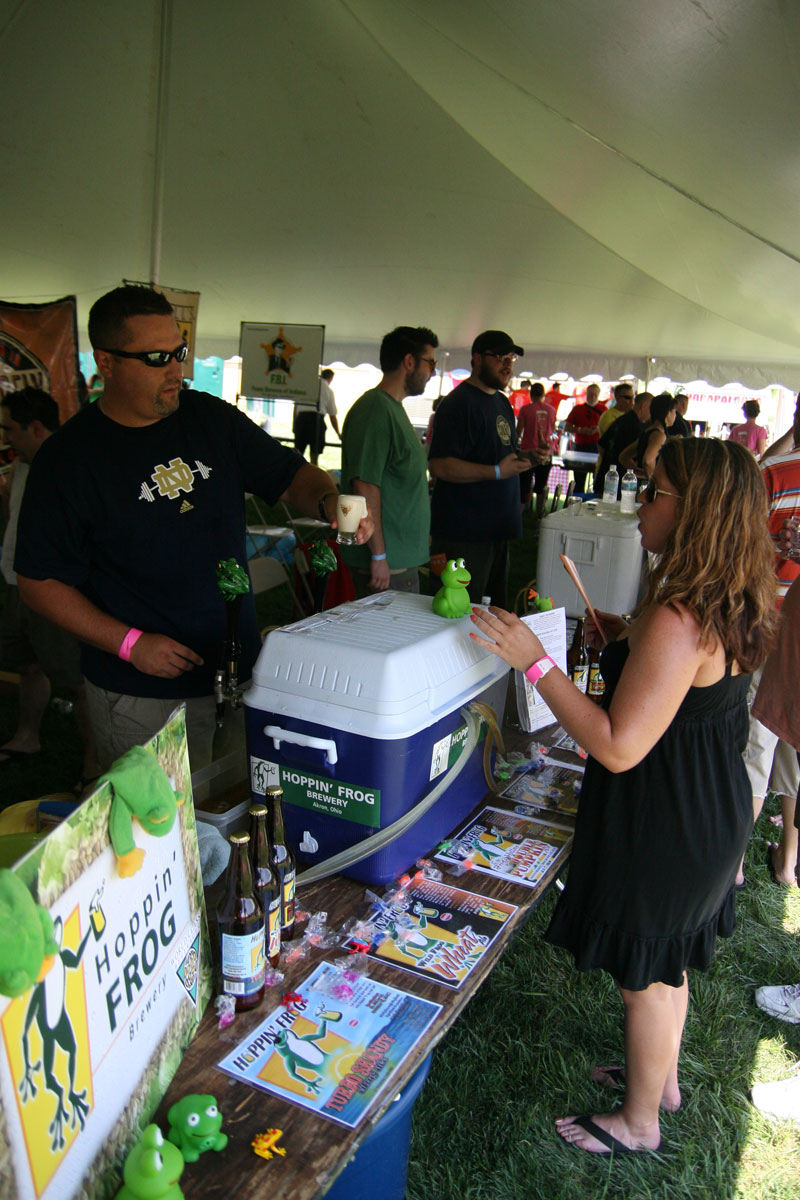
column 89, row 1047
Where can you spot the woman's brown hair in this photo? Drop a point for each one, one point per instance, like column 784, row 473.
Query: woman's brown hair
column 719, row 560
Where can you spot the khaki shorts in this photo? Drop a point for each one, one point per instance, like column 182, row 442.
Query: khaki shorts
column 771, row 764
column 120, row 722
column 27, row 638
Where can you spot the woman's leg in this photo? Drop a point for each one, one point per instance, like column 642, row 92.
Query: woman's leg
column 653, row 1026
column 671, row 1097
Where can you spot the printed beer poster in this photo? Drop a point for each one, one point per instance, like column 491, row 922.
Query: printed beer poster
column 436, row 931
column 554, row 789
column 333, row 1052
column 519, row 849
column 97, row 1019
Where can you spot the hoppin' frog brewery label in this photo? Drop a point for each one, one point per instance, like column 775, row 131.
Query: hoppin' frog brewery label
column 350, row 801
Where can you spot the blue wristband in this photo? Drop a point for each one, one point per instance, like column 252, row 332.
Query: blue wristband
column 378, row 557
column 497, row 470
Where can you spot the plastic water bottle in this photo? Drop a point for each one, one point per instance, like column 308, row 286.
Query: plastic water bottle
column 628, row 493
column 611, row 485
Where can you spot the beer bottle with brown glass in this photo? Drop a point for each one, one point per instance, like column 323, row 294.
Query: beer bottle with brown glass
column 265, row 882
column 578, row 659
column 282, row 858
column 240, row 919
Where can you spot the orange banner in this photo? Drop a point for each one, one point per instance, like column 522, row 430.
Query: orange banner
column 39, row 348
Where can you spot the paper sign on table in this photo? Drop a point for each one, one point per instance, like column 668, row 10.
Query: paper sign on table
column 330, row 1054
column 451, row 931
column 507, row 846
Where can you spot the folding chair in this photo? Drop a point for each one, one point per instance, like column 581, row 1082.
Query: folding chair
column 257, row 533
column 267, row 574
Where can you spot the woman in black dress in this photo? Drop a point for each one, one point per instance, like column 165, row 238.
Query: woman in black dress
column 665, row 806
column 642, row 455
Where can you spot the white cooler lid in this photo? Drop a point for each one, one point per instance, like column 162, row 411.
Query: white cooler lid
column 600, row 519
column 384, row 667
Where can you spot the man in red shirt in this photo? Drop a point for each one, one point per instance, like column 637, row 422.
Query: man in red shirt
column 535, row 425
column 582, row 424
column 520, row 396
column 555, row 396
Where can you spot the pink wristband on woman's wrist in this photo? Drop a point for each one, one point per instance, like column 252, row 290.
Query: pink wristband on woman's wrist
column 128, row 642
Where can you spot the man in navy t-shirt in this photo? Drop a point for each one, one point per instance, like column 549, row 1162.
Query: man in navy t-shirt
column 130, row 506
column 475, row 508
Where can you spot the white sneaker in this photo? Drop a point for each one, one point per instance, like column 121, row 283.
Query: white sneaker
column 779, row 1099
column 780, row 1002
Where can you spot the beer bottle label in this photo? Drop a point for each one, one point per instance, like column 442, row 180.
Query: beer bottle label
column 274, row 927
column 243, row 962
column 597, row 685
column 580, row 676
column 288, row 896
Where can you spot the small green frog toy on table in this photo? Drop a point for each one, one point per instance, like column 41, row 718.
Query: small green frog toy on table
column 452, row 600
column 194, row 1126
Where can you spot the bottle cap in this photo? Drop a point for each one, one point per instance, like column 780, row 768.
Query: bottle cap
column 273, row 790
column 257, row 810
column 240, row 837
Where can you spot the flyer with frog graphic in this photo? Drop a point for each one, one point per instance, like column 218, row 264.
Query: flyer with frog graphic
column 520, row 849
column 436, row 931
column 334, row 1049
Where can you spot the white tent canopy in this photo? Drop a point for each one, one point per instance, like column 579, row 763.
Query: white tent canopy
column 611, row 182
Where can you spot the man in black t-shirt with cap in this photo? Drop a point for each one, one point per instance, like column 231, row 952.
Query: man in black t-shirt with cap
column 474, row 461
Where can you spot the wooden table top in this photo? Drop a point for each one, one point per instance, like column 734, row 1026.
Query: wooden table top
column 317, row 1149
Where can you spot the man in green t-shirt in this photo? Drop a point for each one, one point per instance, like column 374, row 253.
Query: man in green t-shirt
column 384, row 460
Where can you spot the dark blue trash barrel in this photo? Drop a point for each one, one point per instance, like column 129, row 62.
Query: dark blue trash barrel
column 380, row 1166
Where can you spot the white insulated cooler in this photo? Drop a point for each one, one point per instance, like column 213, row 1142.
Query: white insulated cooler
column 605, row 546
column 357, row 714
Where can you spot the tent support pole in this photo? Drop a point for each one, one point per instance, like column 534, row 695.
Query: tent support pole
column 162, row 94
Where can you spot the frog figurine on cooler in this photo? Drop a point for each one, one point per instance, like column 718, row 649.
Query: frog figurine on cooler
column 194, row 1126
column 152, row 1169
column 452, row 599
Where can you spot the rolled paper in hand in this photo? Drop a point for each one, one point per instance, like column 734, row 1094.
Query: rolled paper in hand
column 572, row 571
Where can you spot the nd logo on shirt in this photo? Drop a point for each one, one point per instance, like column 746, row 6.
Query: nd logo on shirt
column 46, row 1034
column 503, row 430
column 170, row 480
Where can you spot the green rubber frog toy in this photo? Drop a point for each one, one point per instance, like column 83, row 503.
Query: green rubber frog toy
column 194, row 1126
column 152, row 1169
column 452, row 599
column 27, row 945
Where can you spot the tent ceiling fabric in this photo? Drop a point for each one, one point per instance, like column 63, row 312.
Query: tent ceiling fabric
column 610, row 182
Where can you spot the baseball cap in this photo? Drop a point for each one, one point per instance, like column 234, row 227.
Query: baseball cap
column 496, row 342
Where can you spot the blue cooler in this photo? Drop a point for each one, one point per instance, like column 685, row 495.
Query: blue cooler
column 357, row 714
column 380, row 1165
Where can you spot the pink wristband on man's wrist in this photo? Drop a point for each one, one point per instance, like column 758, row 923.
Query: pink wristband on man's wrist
column 128, row 642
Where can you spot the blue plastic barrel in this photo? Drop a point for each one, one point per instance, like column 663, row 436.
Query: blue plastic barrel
column 380, row 1166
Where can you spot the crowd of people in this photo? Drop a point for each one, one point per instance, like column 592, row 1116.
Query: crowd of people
column 120, row 557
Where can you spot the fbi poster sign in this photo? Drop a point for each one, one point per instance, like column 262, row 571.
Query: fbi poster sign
column 281, row 361
column 90, row 1042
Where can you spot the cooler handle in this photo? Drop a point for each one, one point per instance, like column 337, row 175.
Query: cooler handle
column 279, row 735
column 575, row 547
